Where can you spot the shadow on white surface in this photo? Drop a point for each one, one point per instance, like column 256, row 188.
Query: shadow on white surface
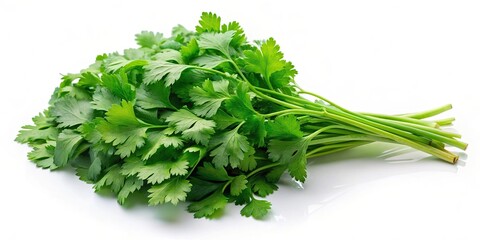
column 331, row 176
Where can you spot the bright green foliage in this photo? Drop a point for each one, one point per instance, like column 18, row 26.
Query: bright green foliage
column 239, row 183
column 173, row 191
column 266, row 60
column 209, row 97
column 122, row 129
column 66, row 147
column 209, row 206
column 204, row 117
column 163, row 70
column 256, row 209
column 71, row 112
column 191, row 126
column 209, row 22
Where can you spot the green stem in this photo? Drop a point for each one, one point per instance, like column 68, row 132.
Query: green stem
column 330, row 147
column 442, row 154
column 428, row 113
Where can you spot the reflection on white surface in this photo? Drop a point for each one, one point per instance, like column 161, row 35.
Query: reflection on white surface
column 329, row 177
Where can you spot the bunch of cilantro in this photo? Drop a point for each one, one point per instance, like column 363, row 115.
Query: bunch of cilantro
column 208, row 118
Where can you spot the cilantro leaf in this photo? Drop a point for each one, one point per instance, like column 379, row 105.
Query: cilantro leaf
column 122, row 129
column 148, row 39
column 156, row 172
column 162, row 70
column 209, row 172
column 256, row 209
column 113, row 178
column 191, row 126
column 155, row 95
column 229, row 148
column 209, row 206
column 284, row 127
column 292, row 152
column 209, row 97
column 43, row 130
column 238, row 184
column 130, row 185
column 42, row 155
column 216, row 41
column 71, row 112
column 209, row 61
column 118, row 84
column 262, row 187
column 189, row 51
column 103, row 99
column 156, row 140
column 266, row 60
column 209, row 22
column 239, row 36
column 67, row 143
column 174, row 191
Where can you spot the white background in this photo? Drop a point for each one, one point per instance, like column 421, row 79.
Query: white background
column 377, row 56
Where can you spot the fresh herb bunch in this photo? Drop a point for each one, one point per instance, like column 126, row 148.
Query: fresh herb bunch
column 208, row 118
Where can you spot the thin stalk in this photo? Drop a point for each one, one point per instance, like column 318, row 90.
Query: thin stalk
column 428, row 113
column 442, row 154
column 355, row 137
column 403, row 119
column 427, row 132
column 324, row 150
column 445, row 122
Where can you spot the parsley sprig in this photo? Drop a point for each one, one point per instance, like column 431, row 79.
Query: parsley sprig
column 208, row 118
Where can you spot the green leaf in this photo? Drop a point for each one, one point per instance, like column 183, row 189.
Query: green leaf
column 103, row 99
column 209, row 22
column 239, row 105
column 209, row 97
column 284, row 127
column 156, row 172
column 293, row 153
column 209, row 206
column 113, row 178
column 202, row 188
column 118, row 84
column 148, row 39
column 42, row 155
column 152, row 96
column 262, row 187
column 209, row 172
column 209, row 61
column 191, row 126
column 88, row 79
column 229, row 148
column 224, row 120
column 162, row 70
column 169, row 55
column 122, row 129
column 239, row 36
column 67, row 143
column 216, row 41
column 256, row 209
column 190, row 51
column 238, row 184
column 248, row 163
column 174, row 191
column 266, row 60
column 156, row 140
column 96, row 157
column 131, row 185
column 43, row 130
column 71, row 112
column 254, row 128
